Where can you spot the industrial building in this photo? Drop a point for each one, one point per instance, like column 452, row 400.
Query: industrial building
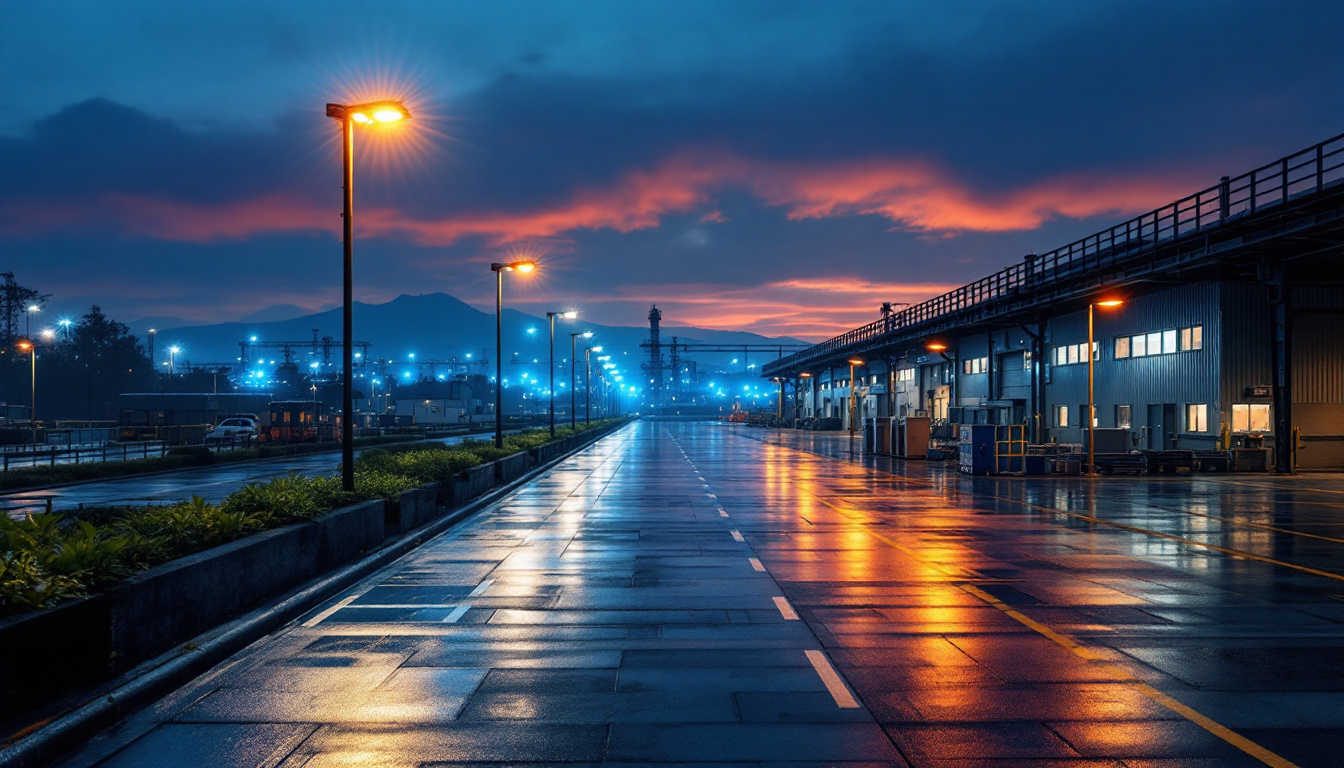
column 1225, row 329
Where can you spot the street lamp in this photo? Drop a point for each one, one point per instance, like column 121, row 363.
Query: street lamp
column 941, row 349
column 573, row 384
column 551, row 316
column 499, row 270
column 349, row 115
column 26, row 345
column 28, row 316
column 588, row 384
column 853, row 399
column 152, row 334
column 1091, row 401
column 172, row 355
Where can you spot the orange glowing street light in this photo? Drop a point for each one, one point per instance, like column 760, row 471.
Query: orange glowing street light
column 351, row 114
column 26, row 345
column 499, row 270
column 935, row 346
column 853, row 399
column 1091, row 415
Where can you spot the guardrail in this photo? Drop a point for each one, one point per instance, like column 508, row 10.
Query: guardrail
column 1302, row 173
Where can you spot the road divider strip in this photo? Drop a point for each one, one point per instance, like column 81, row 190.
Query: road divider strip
column 844, row 698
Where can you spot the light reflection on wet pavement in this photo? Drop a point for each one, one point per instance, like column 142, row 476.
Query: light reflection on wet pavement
column 607, row 613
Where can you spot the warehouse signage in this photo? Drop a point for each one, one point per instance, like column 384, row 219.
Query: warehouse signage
column 1260, row 390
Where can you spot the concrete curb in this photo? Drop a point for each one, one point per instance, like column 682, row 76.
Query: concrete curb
column 156, row 677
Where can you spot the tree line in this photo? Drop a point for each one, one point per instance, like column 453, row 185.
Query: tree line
column 81, row 367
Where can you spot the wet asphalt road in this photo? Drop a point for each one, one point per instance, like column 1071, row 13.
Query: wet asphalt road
column 210, row 483
column 703, row 594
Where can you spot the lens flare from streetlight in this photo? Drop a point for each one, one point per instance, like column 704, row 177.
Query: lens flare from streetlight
column 1110, row 303
column 360, row 117
column 388, row 115
column 570, row 315
column 526, row 266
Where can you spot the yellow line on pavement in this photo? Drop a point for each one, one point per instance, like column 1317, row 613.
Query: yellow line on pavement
column 1207, row 723
column 1137, row 529
column 844, row 698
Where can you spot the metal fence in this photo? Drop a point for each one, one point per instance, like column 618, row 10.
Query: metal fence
column 1297, row 175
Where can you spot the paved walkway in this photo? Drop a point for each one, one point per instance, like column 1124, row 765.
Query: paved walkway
column 699, row 594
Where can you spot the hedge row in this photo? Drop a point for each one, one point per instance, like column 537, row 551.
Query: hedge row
column 45, row 559
column 177, row 458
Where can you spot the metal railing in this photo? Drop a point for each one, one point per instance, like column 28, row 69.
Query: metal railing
column 1275, row 184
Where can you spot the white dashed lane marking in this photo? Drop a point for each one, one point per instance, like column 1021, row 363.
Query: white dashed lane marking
column 457, row 613
column 737, row 536
column 756, row 564
column 785, row 609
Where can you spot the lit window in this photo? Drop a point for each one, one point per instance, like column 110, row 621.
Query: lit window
column 1196, row 417
column 965, row 366
column 1138, row 346
column 1121, row 347
column 1155, row 343
column 1250, row 417
column 1073, row 353
column 1061, row 415
column 1192, row 338
column 1168, row 342
column 1122, row 417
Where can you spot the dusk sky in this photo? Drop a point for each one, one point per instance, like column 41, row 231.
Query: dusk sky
column 774, row 166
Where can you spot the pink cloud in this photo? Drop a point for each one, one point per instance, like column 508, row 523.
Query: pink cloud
column 914, row 196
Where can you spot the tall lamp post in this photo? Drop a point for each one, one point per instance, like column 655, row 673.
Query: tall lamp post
column 1091, row 415
column 499, row 270
column 350, row 115
column 573, row 383
column 588, row 384
column 853, row 399
column 152, row 365
column 551, row 316
column 29, row 311
column 26, row 345
column 172, row 358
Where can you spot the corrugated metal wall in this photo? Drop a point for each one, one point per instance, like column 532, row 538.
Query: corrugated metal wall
column 1318, row 345
column 1179, row 378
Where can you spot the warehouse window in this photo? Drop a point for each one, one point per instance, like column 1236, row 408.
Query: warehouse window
column 1061, row 415
column 1196, row 417
column 1165, row 342
column 1123, row 419
column 1250, row 417
column 1192, row 338
column 905, row 374
column 975, row 365
column 1073, row 353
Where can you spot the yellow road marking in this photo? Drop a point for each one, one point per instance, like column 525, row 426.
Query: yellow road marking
column 785, row 609
column 1137, row 529
column 737, row 536
column 1212, row 726
column 844, row 698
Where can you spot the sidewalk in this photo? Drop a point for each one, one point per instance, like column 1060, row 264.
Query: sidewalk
column 679, row 593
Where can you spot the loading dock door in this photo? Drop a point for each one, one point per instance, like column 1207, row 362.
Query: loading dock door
column 1161, row 426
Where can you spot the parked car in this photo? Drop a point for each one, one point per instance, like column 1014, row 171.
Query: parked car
column 234, row 430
